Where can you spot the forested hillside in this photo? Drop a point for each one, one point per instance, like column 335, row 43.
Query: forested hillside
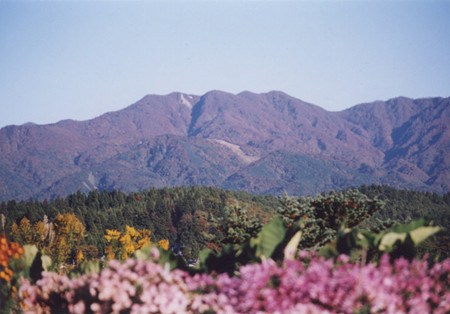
column 180, row 214
column 405, row 205
column 188, row 215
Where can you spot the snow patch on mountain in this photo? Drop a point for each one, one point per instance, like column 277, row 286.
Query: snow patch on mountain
column 236, row 149
column 90, row 185
column 186, row 100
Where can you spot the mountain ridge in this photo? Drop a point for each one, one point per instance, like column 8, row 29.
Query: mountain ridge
column 258, row 142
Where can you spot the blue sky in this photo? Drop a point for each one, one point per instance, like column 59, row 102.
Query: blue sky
column 79, row 59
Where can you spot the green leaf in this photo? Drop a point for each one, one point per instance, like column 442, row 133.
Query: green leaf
column 291, row 247
column 329, row 251
column 417, row 233
column 30, row 254
column 91, row 267
column 203, row 256
column 144, row 253
column 168, row 258
column 404, row 249
column 420, row 234
column 347, row 240
column 368, row 239
column 225, row 261
column 270, row 237
column 46, row 262
column 389, row 239
column 410, row 226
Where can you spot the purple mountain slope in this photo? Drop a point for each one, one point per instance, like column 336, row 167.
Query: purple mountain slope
column 264, row 143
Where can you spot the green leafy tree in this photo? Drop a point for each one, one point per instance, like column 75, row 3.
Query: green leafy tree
column 402, row 240
column 236, row 226
column 320, row 217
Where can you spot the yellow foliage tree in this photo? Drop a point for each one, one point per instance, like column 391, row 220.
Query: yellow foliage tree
column 144, row 239
column 40, row 235
column 80, row 257
column 22, row 233
column 37, row 234
column 123, row 245
column 164, row 244
column 69, row 232
column 112, row 236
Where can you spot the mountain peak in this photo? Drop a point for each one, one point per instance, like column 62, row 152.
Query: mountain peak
column 265, row 143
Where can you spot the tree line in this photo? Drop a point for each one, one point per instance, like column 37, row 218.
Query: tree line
column 194, row 217
column 181, row 215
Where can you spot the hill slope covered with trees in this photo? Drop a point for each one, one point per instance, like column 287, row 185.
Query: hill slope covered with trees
column 189, row 216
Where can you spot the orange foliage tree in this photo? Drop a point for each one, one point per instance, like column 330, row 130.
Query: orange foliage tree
column 9, row 251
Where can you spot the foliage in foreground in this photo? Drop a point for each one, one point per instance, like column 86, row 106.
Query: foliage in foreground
column 400, row 241
column 308, row 283
column 260, row 275
column 258, row 271
column 278, row 241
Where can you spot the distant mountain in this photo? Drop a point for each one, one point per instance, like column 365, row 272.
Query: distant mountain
column 263, row 143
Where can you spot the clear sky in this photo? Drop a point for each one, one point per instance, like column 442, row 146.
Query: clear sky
column 79, row 59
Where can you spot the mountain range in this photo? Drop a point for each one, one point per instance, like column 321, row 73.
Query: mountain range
column 263, row 143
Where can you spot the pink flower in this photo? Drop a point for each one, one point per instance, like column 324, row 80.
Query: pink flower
column 307, row 285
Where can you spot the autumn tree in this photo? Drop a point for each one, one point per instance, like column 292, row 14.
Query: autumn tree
column 43, row 233
column 164, row 244
column 22, row 233
column 123, row 245
column 69, row 232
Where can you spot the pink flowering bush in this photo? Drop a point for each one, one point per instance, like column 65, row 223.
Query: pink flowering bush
column 308, row 284
column 323, row 286
column 137, row 286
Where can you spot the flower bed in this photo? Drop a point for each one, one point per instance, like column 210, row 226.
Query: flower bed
column 308, row 284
